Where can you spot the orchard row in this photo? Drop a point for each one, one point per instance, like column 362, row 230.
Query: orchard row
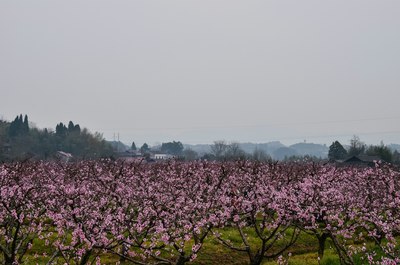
column 161, row 213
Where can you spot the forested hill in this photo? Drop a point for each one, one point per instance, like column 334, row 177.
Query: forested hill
column 20, row 141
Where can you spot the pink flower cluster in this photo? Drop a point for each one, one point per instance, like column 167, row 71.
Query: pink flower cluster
column 163, row 212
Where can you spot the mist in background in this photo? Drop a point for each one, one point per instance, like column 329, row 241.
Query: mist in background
column 198, row 71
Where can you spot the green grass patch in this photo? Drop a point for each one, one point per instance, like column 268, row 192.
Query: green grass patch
column 303, row 252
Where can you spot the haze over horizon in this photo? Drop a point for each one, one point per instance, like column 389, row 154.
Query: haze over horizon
column 198, row 71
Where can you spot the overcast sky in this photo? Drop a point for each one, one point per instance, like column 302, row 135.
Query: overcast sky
column 203, row 70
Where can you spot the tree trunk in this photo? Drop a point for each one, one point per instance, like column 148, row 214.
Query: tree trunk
column 321, row 244
column 345, row 259
column 256, row 259
column 9, row 260
column 181, row 260
column 124, row 252
column 85, row 257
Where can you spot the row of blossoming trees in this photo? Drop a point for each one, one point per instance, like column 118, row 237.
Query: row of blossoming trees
column 162, row 213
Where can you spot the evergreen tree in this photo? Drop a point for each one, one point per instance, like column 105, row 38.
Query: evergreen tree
column 61, row 129
column 13, row 130
column 145, row 148
column 19, row 126
column 26, row 124
column 16, row 144
column 77, row 128
column 133, row 146
column 71, row 126
column 336, row 151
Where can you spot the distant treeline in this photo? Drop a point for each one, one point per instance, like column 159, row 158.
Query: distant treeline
column 19, row 141
column 358, row 148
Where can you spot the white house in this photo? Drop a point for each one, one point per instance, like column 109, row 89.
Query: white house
column 163, row 156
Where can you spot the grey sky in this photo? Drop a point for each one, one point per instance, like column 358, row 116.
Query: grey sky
column 198, row 71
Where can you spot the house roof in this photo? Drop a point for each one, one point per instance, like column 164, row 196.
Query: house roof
column 362, row 159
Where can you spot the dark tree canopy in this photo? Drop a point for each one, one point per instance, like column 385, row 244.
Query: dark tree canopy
column 337, row 151
column 61, row 129
column 382, row 151
column 19, row 142
column 145, row 148
column 133, row 146
column 71, row 126
column 19, row 126
column 173, row 148
column 26, row 124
